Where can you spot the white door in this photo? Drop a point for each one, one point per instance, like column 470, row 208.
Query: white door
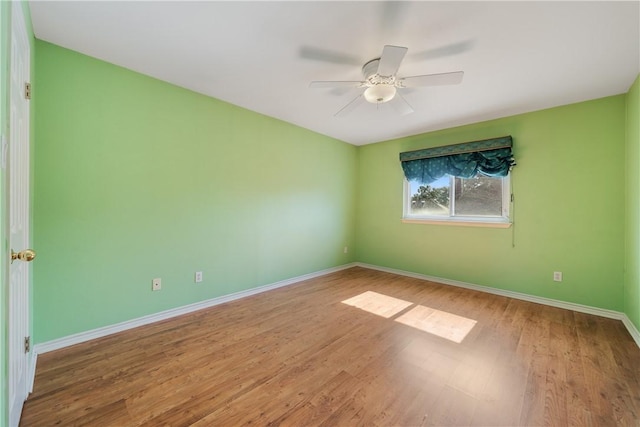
column 18, row 210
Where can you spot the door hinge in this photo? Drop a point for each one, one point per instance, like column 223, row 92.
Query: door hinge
column 27, row 344
column 27, row 91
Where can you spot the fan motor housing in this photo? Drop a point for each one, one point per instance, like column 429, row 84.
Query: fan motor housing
column 370, row 69
column 371, row 76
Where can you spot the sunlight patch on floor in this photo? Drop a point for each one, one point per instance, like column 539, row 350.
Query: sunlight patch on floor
column 440, row 323
column 445, row 325
column 379, row 304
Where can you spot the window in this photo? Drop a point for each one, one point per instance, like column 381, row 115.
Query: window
column 466, row 184
column 481, row 200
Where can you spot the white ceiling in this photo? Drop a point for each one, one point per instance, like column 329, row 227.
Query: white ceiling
column 517, row 56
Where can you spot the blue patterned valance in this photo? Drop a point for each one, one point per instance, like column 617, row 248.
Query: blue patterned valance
column 491, row 157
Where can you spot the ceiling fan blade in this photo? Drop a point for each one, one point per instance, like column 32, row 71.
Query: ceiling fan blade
column 340, row 91
column 325, row 55
column 432, row 79
column 390, row 60
column 333, row 84
column 400, row 104
column 443, row 51
column 355, row 103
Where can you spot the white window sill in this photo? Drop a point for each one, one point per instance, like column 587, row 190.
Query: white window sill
column 459, row 222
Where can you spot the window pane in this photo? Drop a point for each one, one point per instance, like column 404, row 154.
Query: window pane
column 431, row 199
column 479, row 196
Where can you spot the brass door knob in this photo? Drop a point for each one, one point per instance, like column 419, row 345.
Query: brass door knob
column 25, row 255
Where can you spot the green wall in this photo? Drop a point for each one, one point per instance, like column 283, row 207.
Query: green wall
column 632, row 209
column 568, row 212
column 136, row 179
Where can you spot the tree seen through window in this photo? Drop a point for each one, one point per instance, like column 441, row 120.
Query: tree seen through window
column 454, row 196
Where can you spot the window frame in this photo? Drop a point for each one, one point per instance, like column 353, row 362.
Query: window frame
column 503, row 221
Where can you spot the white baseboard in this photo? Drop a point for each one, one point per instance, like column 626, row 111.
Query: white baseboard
column 635, row 334
column 178, row 311
column 167, row 314
column 31, row 374
column 611, row 314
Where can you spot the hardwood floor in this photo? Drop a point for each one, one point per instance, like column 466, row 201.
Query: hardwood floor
column 299, row 356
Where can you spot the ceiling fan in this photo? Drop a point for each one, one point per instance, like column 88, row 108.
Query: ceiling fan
column 381, row 83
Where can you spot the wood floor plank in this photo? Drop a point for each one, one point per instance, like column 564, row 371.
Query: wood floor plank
column 578, row 401
column 502, row 398
column 453, row 408
column 556, row 376
column 300, row 356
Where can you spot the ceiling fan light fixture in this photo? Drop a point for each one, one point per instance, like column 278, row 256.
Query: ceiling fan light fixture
column 380, row 93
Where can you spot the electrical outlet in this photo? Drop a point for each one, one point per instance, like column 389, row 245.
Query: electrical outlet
column 156, row 284
column 557, row 276
column 198, row 277
column 346, row 249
